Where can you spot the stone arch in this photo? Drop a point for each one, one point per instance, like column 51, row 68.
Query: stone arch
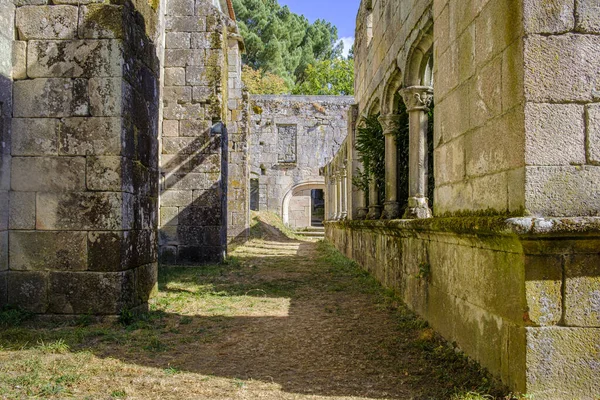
column 285, row 207
column 389, row 104
column 419, row 61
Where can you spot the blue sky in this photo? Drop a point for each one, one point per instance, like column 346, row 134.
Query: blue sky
column 341, row 13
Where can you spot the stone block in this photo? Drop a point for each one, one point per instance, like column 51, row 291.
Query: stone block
column 196, row 75
column 91, row 292
column 562, row 191
column 178, row 40
column 48, row 251
column 19, row 60
column 169, row 216
column 84, row 211
column 32, row 174
column 201, row 216
column 3, row 252
column 46, row 22
column 109, row 251
column 167, row 255
column 51, row 97
column 170, row 128
column 512, row 76
column 550, row 16
column 90, row 136
column 561, row 68
column 199, row 254
column 555, row 134
column 106, row 96
column 203, row 94
column 497, row 146
column 146, row 279
column 201, row 40
column 176, row 198
column 22, row 210
column 3, row 289
column 180, row 7
column 168, row 235
column 184, row 111
column 109, row 173
column 175, row 76
column 450, row 162
column 562, row 363
column 183, row 145
column 543, row 286
column 490, row 192
column 199, row 128
column 185, row 24
column 28, row 290
column 177, row 94
column 74, row 58
column 582, row 290
column 486, row 94
column 184, row 58
column 593, row 133
column 34, row 136
column 101, row 21
column 189, row 181
column 587, row 14
column 496, row 29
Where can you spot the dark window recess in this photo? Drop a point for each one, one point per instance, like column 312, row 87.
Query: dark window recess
column 254, row 195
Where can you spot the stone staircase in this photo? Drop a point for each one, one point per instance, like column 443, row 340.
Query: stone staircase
column 313, row 232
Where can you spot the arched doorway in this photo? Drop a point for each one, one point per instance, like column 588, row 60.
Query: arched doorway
column 303, row 205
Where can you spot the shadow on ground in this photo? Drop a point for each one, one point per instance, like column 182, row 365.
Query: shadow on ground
column 285, row 312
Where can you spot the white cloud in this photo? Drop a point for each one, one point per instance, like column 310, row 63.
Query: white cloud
column 348, row 42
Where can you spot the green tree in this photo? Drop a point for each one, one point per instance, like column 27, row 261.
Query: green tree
column 259, row 82
column 328, row 77
column 281, row 42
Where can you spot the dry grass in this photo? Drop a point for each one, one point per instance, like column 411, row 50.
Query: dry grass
column 284, row 319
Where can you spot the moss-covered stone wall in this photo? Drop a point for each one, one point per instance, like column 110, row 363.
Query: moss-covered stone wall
column 518, row 295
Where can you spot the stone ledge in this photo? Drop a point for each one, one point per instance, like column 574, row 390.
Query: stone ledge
column 500, row 225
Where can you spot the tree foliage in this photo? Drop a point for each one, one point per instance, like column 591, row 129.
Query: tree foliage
column 370, row 144
column 258, row 82
column 328, row 77
column 281, row 42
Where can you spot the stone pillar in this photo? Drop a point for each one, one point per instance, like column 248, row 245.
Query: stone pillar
column 344, row 188
column 417, row 100
column 374, row 206
column 390, row 124
column 338, row 190
column 334, row 197
column 84, row 183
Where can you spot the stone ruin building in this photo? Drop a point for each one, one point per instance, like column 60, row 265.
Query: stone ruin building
column 128, row 139
column 291, row 138
column 508, row 268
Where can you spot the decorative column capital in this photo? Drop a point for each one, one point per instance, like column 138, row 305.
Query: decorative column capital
column 390, row 123
column 417, row 98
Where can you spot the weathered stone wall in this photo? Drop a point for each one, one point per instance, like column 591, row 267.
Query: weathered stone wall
column 562, row 129
column 291, row 137
column 194, row 157
column 84, row 182
column 7, row 12
column 514, row 93
column 512, row 297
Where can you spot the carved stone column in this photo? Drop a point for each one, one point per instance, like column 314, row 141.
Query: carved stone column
column 374, row 206
column 362, row 209
column 338, row 185
column 390, row 125
column 333, row 197
column 417, row 100
column 344, row 188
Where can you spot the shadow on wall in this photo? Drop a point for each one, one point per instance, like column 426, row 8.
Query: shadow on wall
column 194, row 230
column 5, row 113
column 85, row 142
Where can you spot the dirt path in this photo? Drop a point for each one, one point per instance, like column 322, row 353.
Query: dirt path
column 286, row 319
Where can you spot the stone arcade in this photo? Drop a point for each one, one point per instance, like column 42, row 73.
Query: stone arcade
column 508, row 268
column 127, row 138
